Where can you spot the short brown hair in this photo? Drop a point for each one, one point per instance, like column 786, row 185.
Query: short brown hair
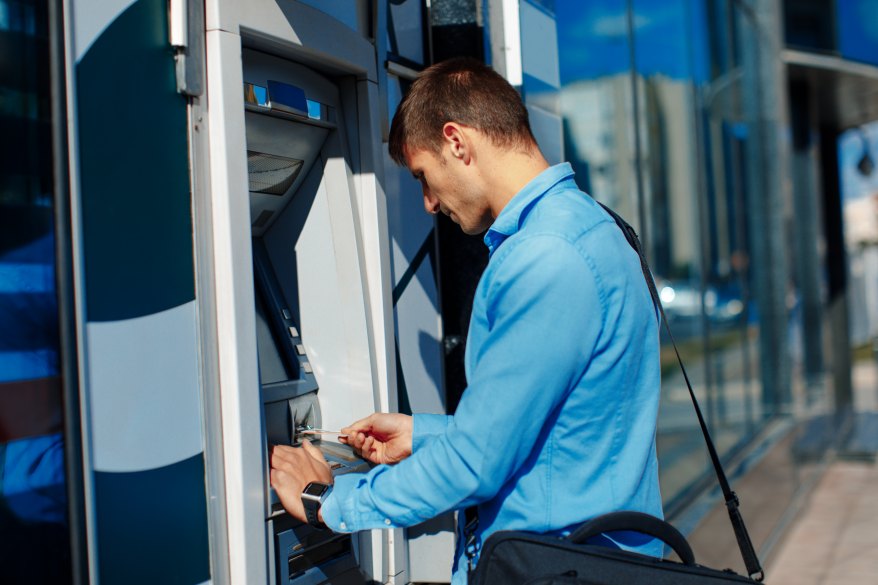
column 460, row 90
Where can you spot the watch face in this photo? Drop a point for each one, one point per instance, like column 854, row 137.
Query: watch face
column 315, row 489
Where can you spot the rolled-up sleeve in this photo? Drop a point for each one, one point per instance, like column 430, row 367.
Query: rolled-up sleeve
column 426, row 426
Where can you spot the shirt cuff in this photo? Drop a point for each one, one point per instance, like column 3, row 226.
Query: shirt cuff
column 425, row 426
column 345, row 511
column 331, row 509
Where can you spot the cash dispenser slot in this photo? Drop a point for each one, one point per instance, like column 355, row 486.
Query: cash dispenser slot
column 314, row 557
column 309, row 556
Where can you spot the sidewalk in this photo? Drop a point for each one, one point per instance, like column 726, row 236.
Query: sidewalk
column 835, row 539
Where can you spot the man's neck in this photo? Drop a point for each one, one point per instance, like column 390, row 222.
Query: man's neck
column 509, row 172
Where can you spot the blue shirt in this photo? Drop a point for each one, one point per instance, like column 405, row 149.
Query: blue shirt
column 557, row 424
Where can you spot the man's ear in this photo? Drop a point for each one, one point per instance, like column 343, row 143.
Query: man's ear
column 457, row 140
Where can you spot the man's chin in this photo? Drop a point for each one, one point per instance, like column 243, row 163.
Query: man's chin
column 473, row 231
column 468, row 229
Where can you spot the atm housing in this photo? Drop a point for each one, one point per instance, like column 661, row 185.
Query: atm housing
column 292, row 130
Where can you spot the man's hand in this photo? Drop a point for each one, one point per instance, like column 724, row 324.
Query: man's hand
column 293, row 468
column 381, row 437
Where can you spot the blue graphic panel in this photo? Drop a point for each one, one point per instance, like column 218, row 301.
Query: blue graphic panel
column 136, row 207
column 152, row 525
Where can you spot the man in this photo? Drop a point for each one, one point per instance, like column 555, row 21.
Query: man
column 557, row 424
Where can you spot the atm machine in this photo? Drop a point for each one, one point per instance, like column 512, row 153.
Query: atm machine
column 297, row 263
column 307, row 291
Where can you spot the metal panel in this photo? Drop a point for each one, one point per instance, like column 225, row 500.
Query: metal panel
column 229, row 234
column 292, row 29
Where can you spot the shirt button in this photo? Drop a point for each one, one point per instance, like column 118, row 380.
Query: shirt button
column 387, row 521
column 343, row 526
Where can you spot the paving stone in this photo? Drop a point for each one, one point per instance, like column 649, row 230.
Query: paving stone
column 835, row 539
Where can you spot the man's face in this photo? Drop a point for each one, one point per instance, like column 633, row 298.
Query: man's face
column 449, row 188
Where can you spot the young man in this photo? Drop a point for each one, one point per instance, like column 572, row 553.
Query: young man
column 557, row 424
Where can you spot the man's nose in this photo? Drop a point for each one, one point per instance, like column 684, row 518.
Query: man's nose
column 431, row 204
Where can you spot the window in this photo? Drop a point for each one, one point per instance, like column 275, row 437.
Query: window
column 33, row 491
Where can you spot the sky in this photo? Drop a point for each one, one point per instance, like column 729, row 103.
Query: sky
column 669, row 38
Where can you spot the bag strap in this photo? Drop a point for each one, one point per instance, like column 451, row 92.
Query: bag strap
column 471, row 544
column 751, row 561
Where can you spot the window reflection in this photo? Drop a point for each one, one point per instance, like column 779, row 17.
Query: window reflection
column 33, row 503
column 657, row 103
column 596, row 101
column 669, row 47
column 405, row 35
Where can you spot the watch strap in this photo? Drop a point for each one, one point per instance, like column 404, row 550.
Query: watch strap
column 312, row 505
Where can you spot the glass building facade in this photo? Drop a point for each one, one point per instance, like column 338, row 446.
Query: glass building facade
column 660, row 103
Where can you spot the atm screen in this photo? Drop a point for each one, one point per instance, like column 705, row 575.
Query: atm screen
column 272, row 366
column 284, row 370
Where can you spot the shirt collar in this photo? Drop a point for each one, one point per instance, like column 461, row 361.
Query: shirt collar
column 508, row 222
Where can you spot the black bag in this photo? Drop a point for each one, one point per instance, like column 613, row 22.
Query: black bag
column 513, row 557
column 516, row 557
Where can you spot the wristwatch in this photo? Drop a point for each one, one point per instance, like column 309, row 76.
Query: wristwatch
column 313, row 496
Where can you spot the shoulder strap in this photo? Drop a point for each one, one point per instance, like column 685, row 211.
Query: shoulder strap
column 751, row 561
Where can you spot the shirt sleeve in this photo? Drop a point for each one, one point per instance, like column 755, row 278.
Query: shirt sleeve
column 544, row 318
column 426, row 426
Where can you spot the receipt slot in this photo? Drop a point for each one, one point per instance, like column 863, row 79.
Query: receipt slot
column 310, row 295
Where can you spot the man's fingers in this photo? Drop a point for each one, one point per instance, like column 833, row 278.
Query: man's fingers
column 314, row 452
column 353, row 428
column 363, row 444
column 282, row 456
column 357, row 442
column 357, row 439
column 290, row 458
column 362, row 425
column 283, row 451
